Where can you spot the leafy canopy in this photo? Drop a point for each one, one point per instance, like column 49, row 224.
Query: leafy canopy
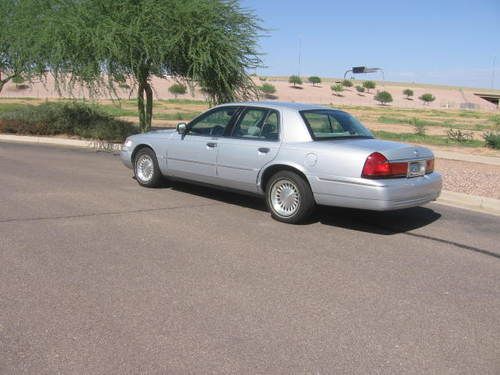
column 177, row 89
column 97, row 43
column 408, row 93
column 427, row 98
column 315, row 80
column 383, row 97
column 295, row 80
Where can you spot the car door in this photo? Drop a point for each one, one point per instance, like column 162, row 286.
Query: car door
column 252, row 143
column 194, row 154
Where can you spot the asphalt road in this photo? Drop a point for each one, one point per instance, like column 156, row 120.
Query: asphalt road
column 100, row 276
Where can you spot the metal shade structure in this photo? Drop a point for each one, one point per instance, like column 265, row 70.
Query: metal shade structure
column 364, row 70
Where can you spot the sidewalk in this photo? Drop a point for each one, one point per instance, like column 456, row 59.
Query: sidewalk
column 491, row 160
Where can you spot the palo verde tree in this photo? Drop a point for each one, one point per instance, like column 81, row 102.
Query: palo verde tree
column 96, row 43
column 369, row 85
column 295, row 80
column 408, row 93
column 21, row 33
column 315, row 80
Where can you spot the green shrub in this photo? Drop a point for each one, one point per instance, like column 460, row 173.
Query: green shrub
column 18, row 80
column 263, row 78
column 347, row 83
column 408, row 93
column 73, row 119
column 459, row 136
column 427, row 98
column 369, row 85
column 295, row 80
column 268, row 90
column 418, row 125
column 360, row 89
column 337, row 89
column 383, row 97
column 177, row 89
column 492, row 139
column 315, row 80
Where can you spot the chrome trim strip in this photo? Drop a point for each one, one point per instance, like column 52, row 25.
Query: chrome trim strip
column 191, row 161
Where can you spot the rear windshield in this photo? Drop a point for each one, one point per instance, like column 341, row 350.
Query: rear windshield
column 333, row 124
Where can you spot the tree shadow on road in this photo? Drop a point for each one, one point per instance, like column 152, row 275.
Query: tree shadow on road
column 384, row 223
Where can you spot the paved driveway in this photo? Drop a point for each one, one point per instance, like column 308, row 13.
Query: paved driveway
column 100, row 276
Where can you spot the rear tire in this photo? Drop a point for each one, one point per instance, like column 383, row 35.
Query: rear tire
column 289, row 197
column 146, row 170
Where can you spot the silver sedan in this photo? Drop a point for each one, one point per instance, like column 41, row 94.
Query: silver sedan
column 295, row 155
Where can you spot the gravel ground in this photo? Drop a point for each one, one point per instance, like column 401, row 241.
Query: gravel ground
column 470, row 178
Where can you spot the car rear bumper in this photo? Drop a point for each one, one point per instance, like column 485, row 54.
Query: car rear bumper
column 379, row 195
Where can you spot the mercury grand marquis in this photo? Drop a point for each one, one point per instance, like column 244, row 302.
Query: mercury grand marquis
column 295, row 155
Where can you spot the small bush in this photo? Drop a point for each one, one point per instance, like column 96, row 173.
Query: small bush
column 18, row 80
column 177, row 89
column 347, row 83
column 459, row 136
column 268, row 90
column 369, row 85
column 315, row 80
column 295, row 80
column 427, row 98
column 418, row 126
column 337, row 89
column 408, row 93
column 383, row 97
column 263, row 78
column 360, row 89
column 492, row 139
column 73, row 119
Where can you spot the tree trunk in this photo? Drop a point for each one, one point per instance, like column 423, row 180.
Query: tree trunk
column 149, row 105
column 141, row 108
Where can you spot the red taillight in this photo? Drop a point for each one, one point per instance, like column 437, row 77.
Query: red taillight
column 429, row 166
column 377, row 166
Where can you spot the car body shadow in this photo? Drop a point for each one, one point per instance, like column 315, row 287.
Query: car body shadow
column 378, row 222
column 384, row 223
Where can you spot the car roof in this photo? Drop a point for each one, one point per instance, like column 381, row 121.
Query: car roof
column 278, row 105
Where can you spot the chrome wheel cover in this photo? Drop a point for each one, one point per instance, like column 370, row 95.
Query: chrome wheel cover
column 285, row 198
column 144, row 168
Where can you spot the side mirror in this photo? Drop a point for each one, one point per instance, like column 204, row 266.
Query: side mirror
column 181, row 128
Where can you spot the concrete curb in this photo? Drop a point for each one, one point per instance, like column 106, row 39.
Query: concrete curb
column 93, row 144
column 491, row 160
column 470, row 202
column 449, row 198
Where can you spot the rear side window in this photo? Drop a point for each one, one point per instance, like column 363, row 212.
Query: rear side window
column 333, row 124
column 258, row 124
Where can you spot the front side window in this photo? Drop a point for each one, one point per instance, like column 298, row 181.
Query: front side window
column 333, row 124
column 257, row 123
column 212, row 124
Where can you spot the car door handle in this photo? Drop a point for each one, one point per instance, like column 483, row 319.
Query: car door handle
column 212, row 144
column 264, row 150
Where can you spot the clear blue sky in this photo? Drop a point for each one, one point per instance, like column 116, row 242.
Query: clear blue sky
column 424, row 41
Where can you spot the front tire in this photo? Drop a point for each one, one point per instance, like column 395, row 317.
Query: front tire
column 146, row 170
column 289, row 197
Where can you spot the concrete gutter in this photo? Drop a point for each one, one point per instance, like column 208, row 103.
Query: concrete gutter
column 450, row 198
column 470, row 202
column 81, row 143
